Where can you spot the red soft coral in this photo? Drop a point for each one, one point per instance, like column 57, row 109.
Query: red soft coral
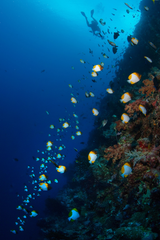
column 134, row 107
column 149, row 88
column 115, row 153
column 120, row 126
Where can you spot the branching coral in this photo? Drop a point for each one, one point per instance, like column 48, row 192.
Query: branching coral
column 145, row 155
column 156, row 102
column 134, row 156
column 136, row 176
column 115, row 153
column 149, row 88
column 120, row 126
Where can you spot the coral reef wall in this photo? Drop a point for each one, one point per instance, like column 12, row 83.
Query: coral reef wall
column 113, row 205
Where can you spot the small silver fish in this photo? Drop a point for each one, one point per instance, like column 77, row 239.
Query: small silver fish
column 104, row 122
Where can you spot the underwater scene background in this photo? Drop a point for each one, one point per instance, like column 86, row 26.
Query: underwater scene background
column 80, row 118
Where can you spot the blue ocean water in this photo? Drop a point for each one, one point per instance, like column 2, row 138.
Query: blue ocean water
column 51, row 36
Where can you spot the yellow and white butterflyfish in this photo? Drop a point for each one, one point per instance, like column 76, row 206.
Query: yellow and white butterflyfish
column 61, row 169
column 94, row 74
column 25, row 189
column 56, row 180
column 49, row 144
column 73, row 215
column 126, row 97
column 78, row 133
column 143, row 109
column 42, row 165
column 148, row 59
column 65, row 125
column 125, row 118
column 134, row 41
column 21, row 228
column 33, row 213
column 76, row 127
column 73, row 100
column 97, row 68
column 126, row 170
column 32, row 175
column 70, row 85
column 61, row 119
column 19, row 207
column 82, row 61
column 91, row 94
column 58, row 129
column 92, row 156
column 109, row 90
column 134, row 78
column 49, row 148
column 75, row 115
column 95, row 112
column 44, row 186
column 72, row 137
column 59, row 155
column 52, row 126
column 25, row 210
column 42, row 177
column 13, row 231
column 60, row 148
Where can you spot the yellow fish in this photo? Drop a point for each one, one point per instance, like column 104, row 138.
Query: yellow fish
column 44, row 186
column 95, row 112
column 126, row 170
column 125, row 118
column 73, row 215
column 92, row 156
column 42, row 177
column 143, row 109
column 61, row 169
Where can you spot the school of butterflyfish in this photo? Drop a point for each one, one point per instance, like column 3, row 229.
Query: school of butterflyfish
column 54, row 152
